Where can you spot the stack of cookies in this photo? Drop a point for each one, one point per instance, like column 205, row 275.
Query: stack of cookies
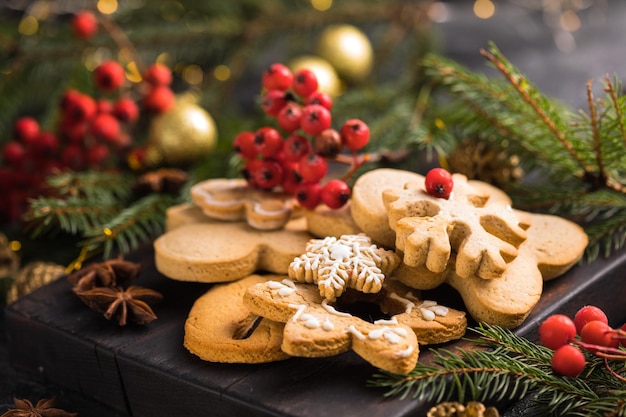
column 288, row 281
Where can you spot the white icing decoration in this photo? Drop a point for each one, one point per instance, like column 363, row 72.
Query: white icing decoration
column 354, row 331
column 333, row 310
column 393, row 320
column 430, row 309
column 405, row 353
column 285, row 288
column 391, row 334
column 310, row 321
column 299, row 310
column 328, row 325
column 427, row 314
column 407, row 303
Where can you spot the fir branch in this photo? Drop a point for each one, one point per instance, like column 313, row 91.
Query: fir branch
column 504, row 366
column 103, row 186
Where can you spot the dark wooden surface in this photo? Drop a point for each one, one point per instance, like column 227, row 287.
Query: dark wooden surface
column 146, row 371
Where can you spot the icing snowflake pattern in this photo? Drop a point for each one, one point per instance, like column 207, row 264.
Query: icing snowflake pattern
column 350, row 261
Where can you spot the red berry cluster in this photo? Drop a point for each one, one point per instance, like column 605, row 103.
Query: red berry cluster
column 588, row 331
column 294, row 156
column 92, row 132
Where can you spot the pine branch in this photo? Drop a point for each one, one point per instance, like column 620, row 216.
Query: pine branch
column 506, row 367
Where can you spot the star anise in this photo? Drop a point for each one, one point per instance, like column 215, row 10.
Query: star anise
column 162, row 180
column 130, row 304
column 44, row 408
column 110, row 273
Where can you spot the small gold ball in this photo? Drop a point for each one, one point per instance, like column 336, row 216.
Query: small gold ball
column 348, row 50
column 327, row 78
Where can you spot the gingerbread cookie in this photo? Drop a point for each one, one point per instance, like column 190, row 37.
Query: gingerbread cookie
column 182, row 214
column 222, row 252
column 483, row 235
column 220, row 328
column 350, row 261
column 233, row 200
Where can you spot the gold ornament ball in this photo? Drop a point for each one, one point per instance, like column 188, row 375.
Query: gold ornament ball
column 182, row 135
column 327, row 78
column 348, row 50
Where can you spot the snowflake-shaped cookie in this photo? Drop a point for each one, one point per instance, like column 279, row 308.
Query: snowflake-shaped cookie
column 350, row 261
column 484, row 234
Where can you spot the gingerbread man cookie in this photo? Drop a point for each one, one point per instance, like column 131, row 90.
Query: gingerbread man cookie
column 233, row 200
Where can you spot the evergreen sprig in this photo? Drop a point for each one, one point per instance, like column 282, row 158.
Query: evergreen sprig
column 576, row 161
column 504, row 367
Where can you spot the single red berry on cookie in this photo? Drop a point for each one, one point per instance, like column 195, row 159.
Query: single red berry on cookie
column 158, row 75
column 587, row 314
column 355, row 134
column 296, row 146
column 159, row 99
column 335, row 194
column 309, row 195
column 304, row 82
column 84, row 25
column 25, row 129
column 439, row 183
column 277, row 77
column 315, row 119
column 244, row 146
column 312, row 167
column 599, row 333
column 268, row 142
column 556, row 331
column 568, row 360
column 109, row 76
column 289, row 117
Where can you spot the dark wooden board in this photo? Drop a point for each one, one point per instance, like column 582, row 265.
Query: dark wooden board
column 146, row 371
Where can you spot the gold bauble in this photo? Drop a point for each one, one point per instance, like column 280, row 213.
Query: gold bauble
column 33, row 276
column 327, row 78
column 348, row 50
column 182, row 135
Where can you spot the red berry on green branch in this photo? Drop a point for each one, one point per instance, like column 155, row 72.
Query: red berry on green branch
column 159, row 99
column 291, row 177
column 105, row 127
column 289, row 117
column 109, row 76
column 312, row 167
column 80, row 107
column 45, row 145
column 268, row 175
column 72, row 158
column 84, row 25
column 587, row 314
column 439, row 183
column 126, row 110
column 355, row 134
column 556, row 331
column 158, row 75
column 25, row 129
column 599, row 333
column 268, row 142
column 295, row 147
column 304, row 82
column 273, row 101
column 315, row 119
column 244, row 146
column 568, row 360
column 328, row 143
column 319, row 97
column 104, row 106
column 309, row 195
column 250, row 171
column 13, row 153
column 277, row 77
column 335, row 194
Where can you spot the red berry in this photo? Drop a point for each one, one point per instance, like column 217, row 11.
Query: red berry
column 158, row 75
column 244, row 146
column 13, row 153
column 109, row 76
column 289, row 117
column 295, row 147
column 622, row 337
column 268, row 174
column 599, row 333
column 126, row 110
column 315, row 119
column 335, row 194
column 587, row 314
column 46, row 144
column 105, row 127
column 304, row 82
column 250, row 170
column 568, row 360
column 309, row 195
column 72, row 157
column 79, row 107
column 439, row 183
column 312, row 167
column 84, row 25
column 25, row 129
column 104, row 106
column 556, row 331
column 73, row 131
column 355, row 134
column 291, row 177
column 277, row 77
column 159, row 99
column 268, row 142
column 97, row 154
column 273, row 101
column 319, row 97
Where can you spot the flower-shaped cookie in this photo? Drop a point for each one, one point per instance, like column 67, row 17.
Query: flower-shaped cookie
column 233, row 199
column 484, row 235
column 350, row 261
